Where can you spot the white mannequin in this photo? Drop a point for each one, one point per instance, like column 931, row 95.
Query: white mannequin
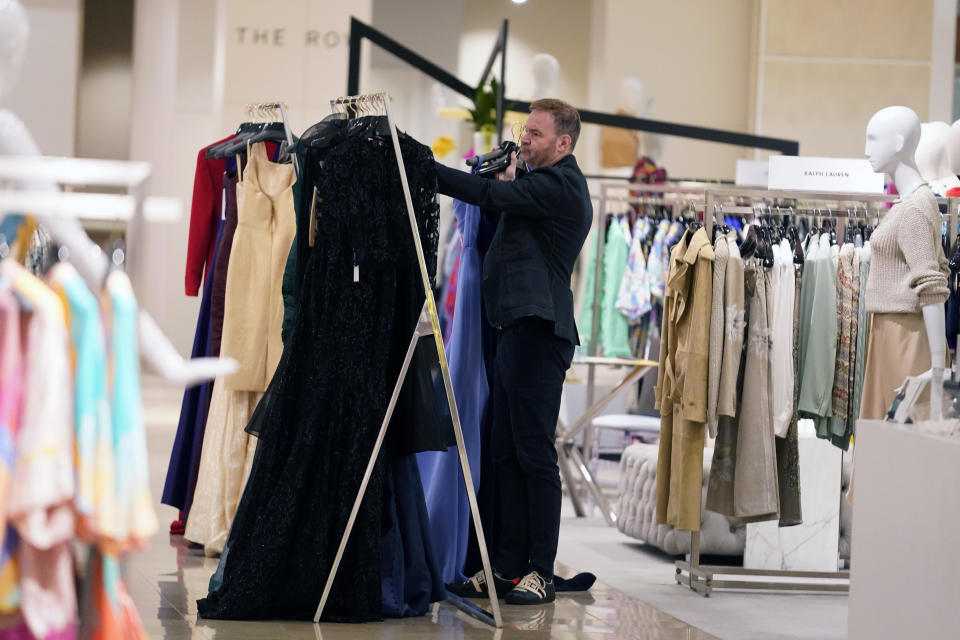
column 933, row 159
column 87, row 257
column 953, row 149
column 632, row 99
column 633, row 102
column 893, row 134
column 546, row 72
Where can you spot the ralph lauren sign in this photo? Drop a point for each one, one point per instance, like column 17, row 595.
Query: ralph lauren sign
column 824, row 174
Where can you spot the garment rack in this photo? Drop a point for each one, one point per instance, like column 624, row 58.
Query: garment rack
column 427, row 325
column 701, row 578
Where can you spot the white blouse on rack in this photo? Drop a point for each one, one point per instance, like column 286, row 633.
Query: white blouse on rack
column 781, row 358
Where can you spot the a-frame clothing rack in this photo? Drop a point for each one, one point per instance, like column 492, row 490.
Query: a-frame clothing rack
column 428, row 324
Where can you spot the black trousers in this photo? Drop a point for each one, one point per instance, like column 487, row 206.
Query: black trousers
column 530, row 367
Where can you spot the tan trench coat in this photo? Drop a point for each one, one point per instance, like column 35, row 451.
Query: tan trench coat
column 681, row 392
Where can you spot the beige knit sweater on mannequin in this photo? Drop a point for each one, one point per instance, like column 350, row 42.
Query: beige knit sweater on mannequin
column 908, row 269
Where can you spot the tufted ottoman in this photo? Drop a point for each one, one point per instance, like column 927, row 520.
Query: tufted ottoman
column 636, row 507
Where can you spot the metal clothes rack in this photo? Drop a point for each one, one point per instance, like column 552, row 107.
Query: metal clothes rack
column 113, row 193
column 427, row 325
column 702, row 578
column 712, row 200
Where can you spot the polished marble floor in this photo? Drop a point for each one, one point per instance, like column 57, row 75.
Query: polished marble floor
column 166, row 580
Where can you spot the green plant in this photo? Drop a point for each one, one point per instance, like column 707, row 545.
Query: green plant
column 484, row 111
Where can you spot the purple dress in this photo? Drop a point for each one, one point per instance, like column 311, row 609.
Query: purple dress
column 448, row 509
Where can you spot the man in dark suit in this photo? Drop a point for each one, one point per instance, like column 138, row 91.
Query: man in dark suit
column 544, row 215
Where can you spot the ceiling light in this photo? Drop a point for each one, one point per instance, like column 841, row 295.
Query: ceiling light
column 519, row 1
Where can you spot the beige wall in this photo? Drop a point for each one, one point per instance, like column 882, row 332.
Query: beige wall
column 45, row 97
column 416, row 96
column 192, row 77
column 693, row 57
column 558, row 27
column 295, row 51
column 825, row 66
column 700, row 60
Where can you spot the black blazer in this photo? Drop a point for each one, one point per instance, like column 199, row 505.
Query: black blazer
column 544, row 218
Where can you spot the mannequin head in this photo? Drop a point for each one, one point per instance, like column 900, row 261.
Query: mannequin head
column 953, row 148
column 14, row 32
column 931, row 154
column 546, row 71
column 892, row 137
column 631, row 97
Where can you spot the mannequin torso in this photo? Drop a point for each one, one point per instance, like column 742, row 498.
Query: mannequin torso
column 892, row 137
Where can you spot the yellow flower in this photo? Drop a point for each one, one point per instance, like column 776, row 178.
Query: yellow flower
column 442, row 146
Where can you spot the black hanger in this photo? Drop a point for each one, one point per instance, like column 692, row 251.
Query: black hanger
column 717, row 232
column 955, row 259
column 273, row 132
column 797, row 245
column 244, row 131
column 766, row 248
column 858, row 235
column 268, row 131
column 373, row 127
column 749, row 245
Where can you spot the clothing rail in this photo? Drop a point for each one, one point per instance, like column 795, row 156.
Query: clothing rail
column 713, row 193
column 429, row 324
column 701, row 578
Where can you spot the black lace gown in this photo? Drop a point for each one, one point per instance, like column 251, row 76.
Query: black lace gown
column 361, row 296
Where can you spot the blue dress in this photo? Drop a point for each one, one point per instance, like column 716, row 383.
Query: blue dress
column 185, row 457
column 449, row 510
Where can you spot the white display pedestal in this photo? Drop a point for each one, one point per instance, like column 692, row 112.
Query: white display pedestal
column 905, row 570
column 813, row 545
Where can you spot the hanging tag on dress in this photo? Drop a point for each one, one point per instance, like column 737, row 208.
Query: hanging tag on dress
column 223, row 203
column 356, row 267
